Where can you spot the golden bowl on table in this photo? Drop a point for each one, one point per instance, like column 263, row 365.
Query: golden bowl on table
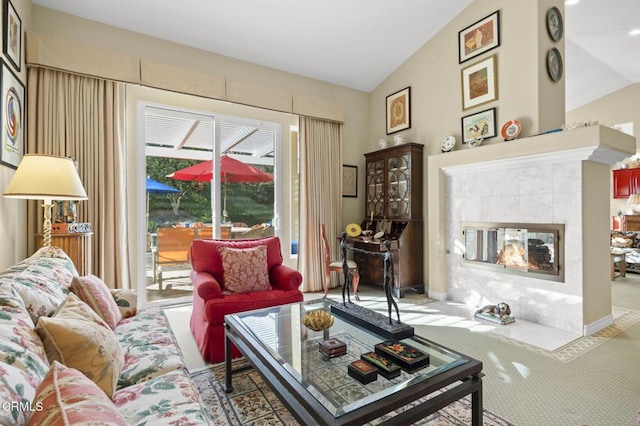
column 318, row 320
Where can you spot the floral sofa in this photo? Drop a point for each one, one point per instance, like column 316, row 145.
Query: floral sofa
column 74, row 352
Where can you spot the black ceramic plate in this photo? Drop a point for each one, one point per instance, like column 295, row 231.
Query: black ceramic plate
column 554, row 64
column 555, row 26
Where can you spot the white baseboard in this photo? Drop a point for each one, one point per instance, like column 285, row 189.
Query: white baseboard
column 437, row 295
column 598, row 325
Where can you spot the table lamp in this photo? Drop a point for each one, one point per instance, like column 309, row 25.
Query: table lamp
column 634, row 202
column 47, row 178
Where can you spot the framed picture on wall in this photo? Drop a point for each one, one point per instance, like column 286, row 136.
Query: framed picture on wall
column 480, row 82
column 480, row 125
column 12, row 34
column 399, row 111
column 479, row 37
column 13, row 122
column 349, row 181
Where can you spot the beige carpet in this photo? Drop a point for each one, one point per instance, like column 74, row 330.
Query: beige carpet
column 583, row 345
column 593, row 381
column 253, row 403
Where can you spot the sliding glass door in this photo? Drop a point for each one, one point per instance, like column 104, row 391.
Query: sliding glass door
column 206, row 176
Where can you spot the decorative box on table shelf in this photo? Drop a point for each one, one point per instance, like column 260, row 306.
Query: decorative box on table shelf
column 332, row 348
column 362, row 371
column 385, row 367
column 406, row 356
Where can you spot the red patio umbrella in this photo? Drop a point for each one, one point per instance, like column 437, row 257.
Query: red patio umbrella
column 231, row 170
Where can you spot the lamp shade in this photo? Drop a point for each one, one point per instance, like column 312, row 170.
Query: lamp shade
column 42, row 177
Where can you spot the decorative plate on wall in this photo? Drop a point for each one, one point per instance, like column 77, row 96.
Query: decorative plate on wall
column 555, row 25
column 511, row 130
column 447, row 144
column 554, row 64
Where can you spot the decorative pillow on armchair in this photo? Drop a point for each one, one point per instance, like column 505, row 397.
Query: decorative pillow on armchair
column 245, row 269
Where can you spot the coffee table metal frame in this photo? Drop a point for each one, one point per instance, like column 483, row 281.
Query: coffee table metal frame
column 461, row 380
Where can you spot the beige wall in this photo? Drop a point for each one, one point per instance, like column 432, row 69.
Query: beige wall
column 525, row 92
column 354, row 103
column 434, row 75
column 13, row 213
column 596, row 296
column 616, row 108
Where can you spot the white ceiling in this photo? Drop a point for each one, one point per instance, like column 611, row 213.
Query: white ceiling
column 358, row 43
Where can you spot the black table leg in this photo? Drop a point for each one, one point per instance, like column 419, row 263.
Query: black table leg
column 476, row 403
column 227, row 363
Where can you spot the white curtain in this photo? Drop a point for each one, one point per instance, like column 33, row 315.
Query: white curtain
column 83, row 117
column 320, row 196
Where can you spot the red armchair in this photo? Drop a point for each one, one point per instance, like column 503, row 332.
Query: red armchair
column 210, row 305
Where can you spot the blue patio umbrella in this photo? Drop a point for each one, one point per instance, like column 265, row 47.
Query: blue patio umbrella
column 155, row 187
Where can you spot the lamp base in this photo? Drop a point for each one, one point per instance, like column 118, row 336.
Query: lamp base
column 46, row 224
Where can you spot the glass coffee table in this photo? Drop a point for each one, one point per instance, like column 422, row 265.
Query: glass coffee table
column 318, row 390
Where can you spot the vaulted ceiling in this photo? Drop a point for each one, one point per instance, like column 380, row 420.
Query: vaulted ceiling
column 358, row 43
column 355, row 43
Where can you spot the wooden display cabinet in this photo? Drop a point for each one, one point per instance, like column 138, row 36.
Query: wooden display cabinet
column 394, row 206
column 394, row 182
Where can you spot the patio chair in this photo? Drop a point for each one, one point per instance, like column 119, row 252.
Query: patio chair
column 256, row 231
column 173, row 246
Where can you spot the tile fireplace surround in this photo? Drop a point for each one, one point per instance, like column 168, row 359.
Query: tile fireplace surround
column 557, row 178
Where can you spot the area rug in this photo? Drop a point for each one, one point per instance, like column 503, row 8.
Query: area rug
column 253, row 403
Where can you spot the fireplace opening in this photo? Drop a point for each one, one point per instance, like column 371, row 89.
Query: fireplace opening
column 515, row 248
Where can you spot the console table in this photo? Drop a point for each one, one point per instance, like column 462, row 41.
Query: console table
column 77, row 246
column 630, row 222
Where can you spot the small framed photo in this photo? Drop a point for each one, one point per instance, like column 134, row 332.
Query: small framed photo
column 399, row 111
column 480, row 125
column 480, row 82
column 13, row 118
column 12, row 31
column 349, row 181
column 479, row 37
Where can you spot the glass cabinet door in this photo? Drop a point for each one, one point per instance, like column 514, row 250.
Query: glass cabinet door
column 398, row 175
column 375, row 188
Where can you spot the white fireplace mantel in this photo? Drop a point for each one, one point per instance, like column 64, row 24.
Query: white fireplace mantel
column 597, row 154
column 563, row 177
